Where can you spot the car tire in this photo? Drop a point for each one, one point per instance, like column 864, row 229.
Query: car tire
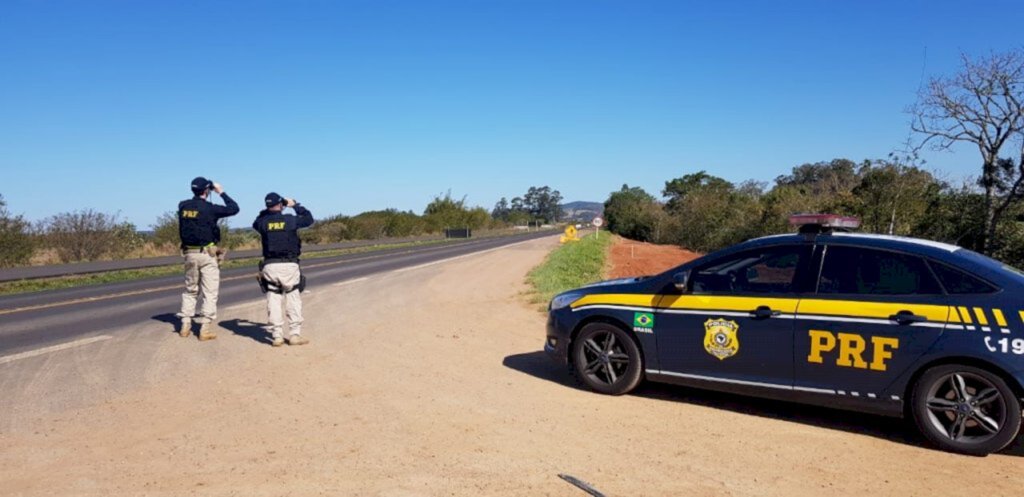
column 965, row 409
column 606, row 359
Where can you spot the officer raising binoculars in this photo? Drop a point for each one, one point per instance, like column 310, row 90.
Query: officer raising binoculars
column 197, row 227
column 280, row 276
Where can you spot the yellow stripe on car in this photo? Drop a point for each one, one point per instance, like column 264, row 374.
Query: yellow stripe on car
column 628, row 299
column 980, row 313
column 878, row 310
column 726, row 303
column 1000, row 319
column 965, row 315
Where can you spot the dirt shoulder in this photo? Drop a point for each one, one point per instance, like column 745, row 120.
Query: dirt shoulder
column 632, row 258
column 431, row 382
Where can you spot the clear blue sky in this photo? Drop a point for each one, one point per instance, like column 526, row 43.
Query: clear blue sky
column 357, row 105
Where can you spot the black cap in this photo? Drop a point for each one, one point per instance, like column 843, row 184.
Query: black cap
column 273, row 199
column 200, row 185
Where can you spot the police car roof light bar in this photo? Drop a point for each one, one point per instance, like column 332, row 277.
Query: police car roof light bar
column 823, row 223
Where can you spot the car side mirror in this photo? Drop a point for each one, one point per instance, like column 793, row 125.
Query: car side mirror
column 681, row 280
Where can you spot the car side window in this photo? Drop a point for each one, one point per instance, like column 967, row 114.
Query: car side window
column 767, row 270
column 864, row 271
column 957, row 282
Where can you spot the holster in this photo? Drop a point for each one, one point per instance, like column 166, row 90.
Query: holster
column 268, row 286
column 219, row 253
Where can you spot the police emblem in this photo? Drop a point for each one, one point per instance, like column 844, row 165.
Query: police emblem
column 720, row 339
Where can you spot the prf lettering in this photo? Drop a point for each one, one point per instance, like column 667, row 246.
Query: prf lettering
column 851, row 349
column 275, row 226
column 189, row 214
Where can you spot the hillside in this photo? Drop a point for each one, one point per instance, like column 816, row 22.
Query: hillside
column 581, row 211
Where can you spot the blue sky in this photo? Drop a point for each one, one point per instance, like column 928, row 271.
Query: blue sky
column 357, row 105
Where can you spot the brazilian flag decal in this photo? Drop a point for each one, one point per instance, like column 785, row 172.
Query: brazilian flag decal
column 643, row 320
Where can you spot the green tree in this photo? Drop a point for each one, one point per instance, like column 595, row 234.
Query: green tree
column 165, row 230
column 16, row 241
column 894, row 198
column 630, row 212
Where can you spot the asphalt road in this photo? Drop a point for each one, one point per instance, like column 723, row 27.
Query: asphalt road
column 42, row 319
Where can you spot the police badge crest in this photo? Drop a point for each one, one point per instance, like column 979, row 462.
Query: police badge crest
column 720, row 339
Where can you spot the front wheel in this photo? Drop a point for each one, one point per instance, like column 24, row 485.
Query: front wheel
column 965, row 409
column 606, row 359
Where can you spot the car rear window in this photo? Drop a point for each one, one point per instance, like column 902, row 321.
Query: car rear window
column 958, row 282
column 863, row 271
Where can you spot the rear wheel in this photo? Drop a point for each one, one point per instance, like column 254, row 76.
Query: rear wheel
column 965, row 409
column 606, row 359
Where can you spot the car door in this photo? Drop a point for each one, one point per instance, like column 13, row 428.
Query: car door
column 735, row 322
column 874, row 313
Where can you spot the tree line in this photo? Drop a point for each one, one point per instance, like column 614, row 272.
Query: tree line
column 981, row 105
column 89, row 235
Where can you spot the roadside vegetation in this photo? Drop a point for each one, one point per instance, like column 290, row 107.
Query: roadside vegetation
column 570, row 266
column 88, row 235
column 73, row 281
column 982, row 106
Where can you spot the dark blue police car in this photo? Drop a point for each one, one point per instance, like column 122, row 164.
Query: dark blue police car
column 881, row 324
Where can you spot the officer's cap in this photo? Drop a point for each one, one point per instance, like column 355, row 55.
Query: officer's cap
column 200, row 185
column 273, row 199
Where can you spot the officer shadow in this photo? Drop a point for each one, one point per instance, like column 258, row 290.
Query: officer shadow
column 170, row 319
column 538, row 365
column 248, row 329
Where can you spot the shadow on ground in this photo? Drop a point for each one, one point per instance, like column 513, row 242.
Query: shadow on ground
column 538, row 365
column 249, row 329
column 171, row 320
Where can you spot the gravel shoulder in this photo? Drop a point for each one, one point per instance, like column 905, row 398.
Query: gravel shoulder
column 430, row 381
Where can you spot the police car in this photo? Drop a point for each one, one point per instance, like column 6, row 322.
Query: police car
column 881, row 324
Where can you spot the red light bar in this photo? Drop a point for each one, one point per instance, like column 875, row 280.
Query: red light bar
column 825, row 221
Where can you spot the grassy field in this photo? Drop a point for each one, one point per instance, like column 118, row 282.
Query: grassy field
column 570, row 266
column 37, row 285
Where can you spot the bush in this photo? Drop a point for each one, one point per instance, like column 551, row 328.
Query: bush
column 16, row 241
column 88, row 235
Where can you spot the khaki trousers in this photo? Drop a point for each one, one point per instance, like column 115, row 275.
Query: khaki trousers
column 284, row 275
column 202, row 280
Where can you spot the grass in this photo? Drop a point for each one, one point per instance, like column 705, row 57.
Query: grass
column 569, row 266
column 42, row 284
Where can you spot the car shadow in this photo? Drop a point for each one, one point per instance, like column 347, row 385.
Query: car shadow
column 248, row 329
column 538, row 365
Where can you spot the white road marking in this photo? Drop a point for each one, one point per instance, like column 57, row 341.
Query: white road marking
column 53, row 348
column 349, row 282
column 463, row 256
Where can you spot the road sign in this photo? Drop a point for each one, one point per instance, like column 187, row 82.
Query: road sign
column 598, row 221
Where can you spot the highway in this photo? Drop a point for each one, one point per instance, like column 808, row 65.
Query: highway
column 36, row 321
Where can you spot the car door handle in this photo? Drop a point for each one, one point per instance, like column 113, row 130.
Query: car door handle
column 907, row 317
column 763, row 312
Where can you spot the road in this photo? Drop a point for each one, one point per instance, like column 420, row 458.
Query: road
column 420, row 380
column 37, row 320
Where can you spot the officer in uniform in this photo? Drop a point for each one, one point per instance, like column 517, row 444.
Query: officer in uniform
column 197, row 226
column 280, row 276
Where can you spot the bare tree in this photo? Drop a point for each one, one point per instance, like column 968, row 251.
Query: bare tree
column 982, row 105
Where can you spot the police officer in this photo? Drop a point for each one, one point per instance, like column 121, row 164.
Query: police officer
column 279, row 272
column 197, row 226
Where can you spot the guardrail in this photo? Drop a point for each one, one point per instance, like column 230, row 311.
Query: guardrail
column 78, row 268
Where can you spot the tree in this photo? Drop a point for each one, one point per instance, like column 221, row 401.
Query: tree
column 633, row 213
column 543, row 203
column 982, row 105
column 16, row 242
column 165, row 230
column 501, row 210
column 894, row 198
column 88, row 235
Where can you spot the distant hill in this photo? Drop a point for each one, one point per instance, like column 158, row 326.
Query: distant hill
column 581, row 211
